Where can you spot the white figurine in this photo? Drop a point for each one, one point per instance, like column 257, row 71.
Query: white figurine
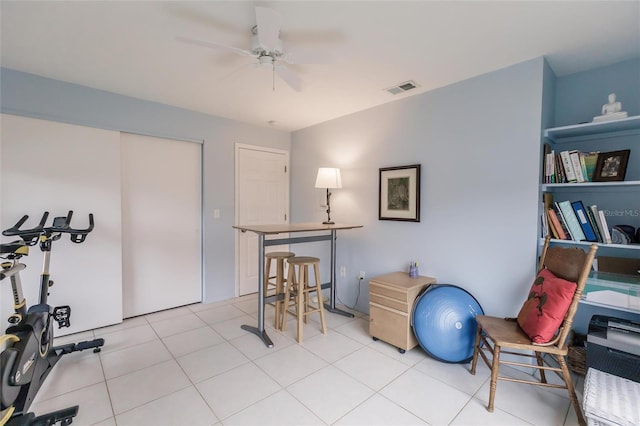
column 612, row 107
column 611, row 110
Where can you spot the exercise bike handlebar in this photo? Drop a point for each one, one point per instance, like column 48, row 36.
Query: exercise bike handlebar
column 61, row 225
column 29, row 236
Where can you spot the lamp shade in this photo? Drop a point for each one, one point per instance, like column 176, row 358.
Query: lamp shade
column 328, row 177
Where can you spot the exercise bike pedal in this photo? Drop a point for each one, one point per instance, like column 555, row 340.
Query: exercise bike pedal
column 62, row 314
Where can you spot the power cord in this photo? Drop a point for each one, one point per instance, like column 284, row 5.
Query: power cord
column 357, row 296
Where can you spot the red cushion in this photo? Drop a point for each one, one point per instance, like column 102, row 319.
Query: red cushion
column 546, row 306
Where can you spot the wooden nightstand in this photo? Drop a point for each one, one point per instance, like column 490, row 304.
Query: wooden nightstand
column 391, row 299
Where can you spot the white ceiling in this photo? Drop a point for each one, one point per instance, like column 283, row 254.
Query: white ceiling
column 131, row 48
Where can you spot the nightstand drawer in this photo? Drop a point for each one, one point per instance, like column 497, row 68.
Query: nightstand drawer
column 389, row 292
column 391, row 326
column 389, row 302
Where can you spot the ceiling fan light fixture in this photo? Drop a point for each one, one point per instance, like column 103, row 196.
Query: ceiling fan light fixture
column 258, row 49
column 266, row 60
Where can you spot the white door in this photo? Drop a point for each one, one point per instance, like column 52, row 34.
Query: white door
column 57, row 167
column 262, row 189
column 161, row 224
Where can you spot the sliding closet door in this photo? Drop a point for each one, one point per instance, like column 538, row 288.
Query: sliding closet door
column 57, row 167
column 161, row 224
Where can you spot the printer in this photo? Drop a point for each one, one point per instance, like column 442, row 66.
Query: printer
column 613, row 346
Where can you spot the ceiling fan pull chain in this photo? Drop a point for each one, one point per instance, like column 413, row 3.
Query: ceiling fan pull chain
column 273, row 76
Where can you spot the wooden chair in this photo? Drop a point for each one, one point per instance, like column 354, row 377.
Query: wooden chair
column 572, row 264
column 298, row 293
column 274, row 284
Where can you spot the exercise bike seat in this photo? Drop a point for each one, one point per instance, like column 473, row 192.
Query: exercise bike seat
column 18, row 248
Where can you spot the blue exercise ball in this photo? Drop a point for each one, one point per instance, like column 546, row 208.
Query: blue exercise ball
column 444, row 322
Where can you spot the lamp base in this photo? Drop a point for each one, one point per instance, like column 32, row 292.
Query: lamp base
column 328, row 222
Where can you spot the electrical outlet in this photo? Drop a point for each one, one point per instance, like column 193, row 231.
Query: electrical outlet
column 343, row 271
column 361, row 275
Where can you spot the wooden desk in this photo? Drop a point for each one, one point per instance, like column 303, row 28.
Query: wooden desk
column 326, row 233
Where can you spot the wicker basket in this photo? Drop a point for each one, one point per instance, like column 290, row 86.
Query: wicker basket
column 577, row 360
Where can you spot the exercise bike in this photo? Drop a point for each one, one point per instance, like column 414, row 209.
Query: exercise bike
column 29, row 355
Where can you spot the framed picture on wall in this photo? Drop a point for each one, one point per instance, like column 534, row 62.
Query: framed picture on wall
column 399, row 193
column 611, row 166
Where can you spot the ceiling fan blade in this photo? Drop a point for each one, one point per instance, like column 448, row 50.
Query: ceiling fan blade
column 305, row 57
column 237, row 71
column 289, row 77
column 214, row 45
column 268, row 22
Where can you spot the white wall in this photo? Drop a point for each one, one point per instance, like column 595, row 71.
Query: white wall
column 38, row 97
column 478, row 143
column 57, row 167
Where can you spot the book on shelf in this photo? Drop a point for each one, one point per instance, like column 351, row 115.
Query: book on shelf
column 606, row 235
column 547, row 200
column 577, row 234
column 594, row 224
column 560, row 175
column 547, row 171
column 555, row 226
column 577, row 167
column 583, row 220
column 589, row 161
column 596, row 216
column 567, row 166
column 544, row 223
column 551, row 166
column 583, row 166
column 563, row 221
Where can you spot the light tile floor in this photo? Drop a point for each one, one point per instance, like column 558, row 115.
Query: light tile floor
column 194, row 365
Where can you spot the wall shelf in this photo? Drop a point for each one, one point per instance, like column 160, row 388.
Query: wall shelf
column 590, row 185
column 588, row 243
column 587, row 131
column 614, row 291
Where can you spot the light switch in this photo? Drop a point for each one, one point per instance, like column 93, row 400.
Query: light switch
column 216, row 214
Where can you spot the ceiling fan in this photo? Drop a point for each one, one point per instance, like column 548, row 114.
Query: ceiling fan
column 266, row 47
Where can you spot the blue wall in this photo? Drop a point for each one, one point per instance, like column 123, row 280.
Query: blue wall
column 580, row 96
column 478, row 142
column 38, row 97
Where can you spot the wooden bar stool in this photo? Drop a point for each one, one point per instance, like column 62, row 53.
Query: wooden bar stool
column 298, row 293
column 278, row 285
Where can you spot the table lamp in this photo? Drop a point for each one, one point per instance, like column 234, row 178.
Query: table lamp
column 329, row 178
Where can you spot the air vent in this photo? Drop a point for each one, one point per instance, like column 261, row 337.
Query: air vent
column 402, row 87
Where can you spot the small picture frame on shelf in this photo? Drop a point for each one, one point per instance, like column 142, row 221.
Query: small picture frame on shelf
column 399, row 193
column 611, row 166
